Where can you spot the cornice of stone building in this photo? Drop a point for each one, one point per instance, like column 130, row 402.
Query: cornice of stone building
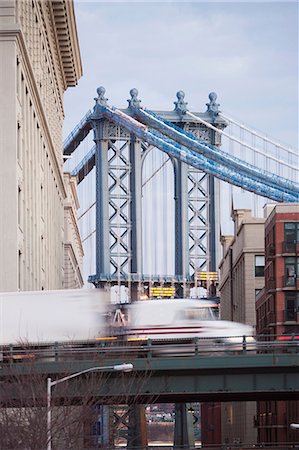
column 71, row 253
column 65, row 30
column 71, row 205
column 70, row 210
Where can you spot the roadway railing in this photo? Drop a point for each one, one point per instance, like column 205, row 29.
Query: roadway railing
column 112, row 347
column 268, row 446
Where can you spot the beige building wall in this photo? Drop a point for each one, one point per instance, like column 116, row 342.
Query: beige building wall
column 73, row 249
column 238, row 284
column 238, row 287
column 40, row 58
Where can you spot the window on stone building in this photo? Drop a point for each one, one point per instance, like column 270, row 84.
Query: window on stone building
column 259, row 265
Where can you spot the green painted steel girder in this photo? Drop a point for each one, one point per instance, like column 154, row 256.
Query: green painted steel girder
column 165, row 379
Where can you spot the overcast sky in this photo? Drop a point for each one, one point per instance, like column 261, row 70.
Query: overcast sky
column 245, row 51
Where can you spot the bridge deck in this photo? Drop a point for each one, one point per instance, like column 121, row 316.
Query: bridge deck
column 165, row 379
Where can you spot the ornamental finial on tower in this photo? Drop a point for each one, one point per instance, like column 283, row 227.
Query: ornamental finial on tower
column 134, row 101
column 213, row 109
column 180, row 104
column 101, row 100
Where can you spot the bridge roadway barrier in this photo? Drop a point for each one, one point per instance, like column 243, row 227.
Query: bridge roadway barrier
column 268, row 446
column 194, row 377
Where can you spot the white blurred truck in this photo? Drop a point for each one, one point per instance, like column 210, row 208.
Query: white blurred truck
column 52, row 316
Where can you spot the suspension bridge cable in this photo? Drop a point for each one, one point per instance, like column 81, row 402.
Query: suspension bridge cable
column 198, row 119
column 223, row 159
column 220, row 170
column 86, row 211
column 154, row 173
column 110, row 114
column 88, row 236
column 224, row 172
column 255, row 133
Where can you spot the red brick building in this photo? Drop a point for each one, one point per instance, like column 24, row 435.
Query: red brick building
column 211, row 424
column 277, row 311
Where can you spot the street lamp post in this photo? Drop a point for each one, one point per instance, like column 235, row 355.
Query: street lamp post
column 126, row 367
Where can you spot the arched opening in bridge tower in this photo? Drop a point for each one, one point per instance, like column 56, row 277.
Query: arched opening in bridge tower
column 158, row 214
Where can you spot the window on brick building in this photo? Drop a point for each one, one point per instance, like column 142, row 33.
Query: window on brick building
column 259, row 261
column 291, row 269
column 291, row 236
column 291, row 301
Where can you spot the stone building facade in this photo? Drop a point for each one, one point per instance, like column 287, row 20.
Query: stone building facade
column 40, row 59
column 73, row 249
column 242, row 267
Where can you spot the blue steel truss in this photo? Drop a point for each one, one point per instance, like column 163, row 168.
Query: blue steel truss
column 185, row 147
column 237, row 176
column 123, row 138
column 211, row 152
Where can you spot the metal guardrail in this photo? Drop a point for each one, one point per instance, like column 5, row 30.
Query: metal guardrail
column 112, row 347
column 268, row 446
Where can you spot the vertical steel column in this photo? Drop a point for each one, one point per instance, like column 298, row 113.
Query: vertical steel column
column 136, row 205
column 212, row 228
column 106, row 426
column 214, row 215
column 212, row 218
column 192, row 212
column 137, row 428
column 197, row 198
column 102, row 195
column 184, row 429
column 181, row 219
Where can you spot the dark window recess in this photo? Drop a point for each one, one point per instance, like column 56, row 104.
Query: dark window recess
column 291, row 268
column 291, row 236
column 291, row 306
column 259, row 269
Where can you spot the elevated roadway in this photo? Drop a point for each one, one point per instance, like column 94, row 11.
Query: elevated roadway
column 163, row 378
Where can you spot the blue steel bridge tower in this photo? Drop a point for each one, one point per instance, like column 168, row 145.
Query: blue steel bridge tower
column 123, row 139
column 119, row 155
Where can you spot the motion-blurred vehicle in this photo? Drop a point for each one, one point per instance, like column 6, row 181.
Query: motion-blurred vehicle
column 79, row 319
column 50, row 316
column 181, row 319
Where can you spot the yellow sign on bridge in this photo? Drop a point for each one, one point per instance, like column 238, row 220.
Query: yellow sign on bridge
column 162, row 291
column 207, row 276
